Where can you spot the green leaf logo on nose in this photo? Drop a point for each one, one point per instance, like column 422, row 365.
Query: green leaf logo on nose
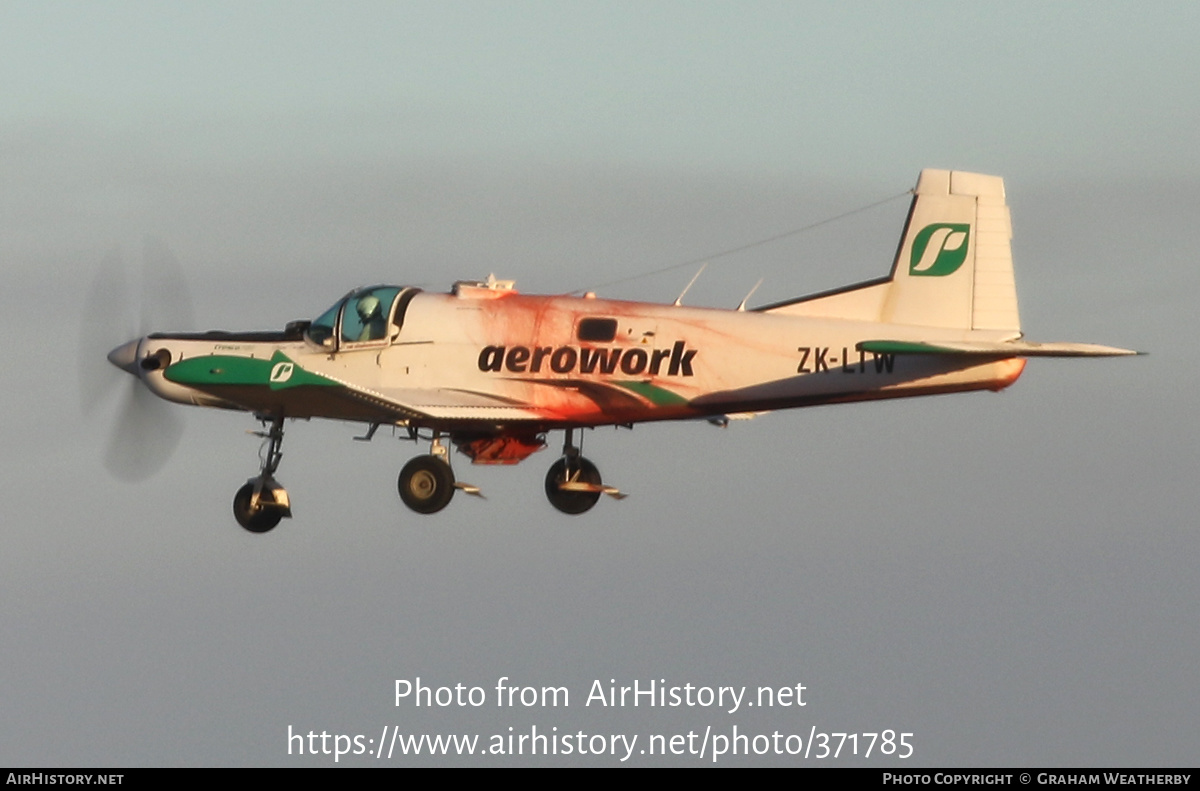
column 939, row 249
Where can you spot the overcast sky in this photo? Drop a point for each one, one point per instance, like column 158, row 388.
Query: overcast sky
column 1010, row 578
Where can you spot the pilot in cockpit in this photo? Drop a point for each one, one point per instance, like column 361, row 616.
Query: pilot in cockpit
column 372, row 319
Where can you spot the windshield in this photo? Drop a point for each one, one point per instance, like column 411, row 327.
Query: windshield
column 320, row 331
column 364, row 318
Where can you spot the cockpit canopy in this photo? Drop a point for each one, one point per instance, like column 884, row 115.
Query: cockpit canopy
column 367, row 316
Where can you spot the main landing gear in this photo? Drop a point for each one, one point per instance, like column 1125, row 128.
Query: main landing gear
column 427, row 483
column 573, row 484
column 262, row 502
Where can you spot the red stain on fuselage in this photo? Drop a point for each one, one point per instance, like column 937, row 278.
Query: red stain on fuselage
column 533, row 343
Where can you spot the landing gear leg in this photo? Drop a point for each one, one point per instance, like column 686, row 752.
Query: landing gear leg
column 262, row 502
column 573, row 483
column 426, row 483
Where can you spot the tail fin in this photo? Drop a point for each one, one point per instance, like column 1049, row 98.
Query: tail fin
column 953, row 267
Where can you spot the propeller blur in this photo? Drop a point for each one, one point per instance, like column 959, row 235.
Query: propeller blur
column 146, row 430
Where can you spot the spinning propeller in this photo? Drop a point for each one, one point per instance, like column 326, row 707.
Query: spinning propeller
column 146, row 429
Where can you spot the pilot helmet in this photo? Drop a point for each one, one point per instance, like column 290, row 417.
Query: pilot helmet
column 368, row 307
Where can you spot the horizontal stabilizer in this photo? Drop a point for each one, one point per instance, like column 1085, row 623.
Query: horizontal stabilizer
column 994, row 348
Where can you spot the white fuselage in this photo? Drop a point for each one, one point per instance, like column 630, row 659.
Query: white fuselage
column 508, row 358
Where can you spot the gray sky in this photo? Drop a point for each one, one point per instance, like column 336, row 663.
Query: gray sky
column 1009, row 577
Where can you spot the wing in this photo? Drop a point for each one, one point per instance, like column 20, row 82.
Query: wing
column 448, row 404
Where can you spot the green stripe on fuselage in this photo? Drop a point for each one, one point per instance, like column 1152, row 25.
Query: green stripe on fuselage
column 222, row 369
column 654, row 394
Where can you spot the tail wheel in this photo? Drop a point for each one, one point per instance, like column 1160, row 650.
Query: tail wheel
column 260, row 520
column 579, row 470
column 426, row 484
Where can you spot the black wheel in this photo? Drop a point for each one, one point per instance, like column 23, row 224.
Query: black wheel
column 259, row 521
column 426, row 484
column 567, row 501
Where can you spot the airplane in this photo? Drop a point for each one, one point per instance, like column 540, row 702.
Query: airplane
column 492, row 371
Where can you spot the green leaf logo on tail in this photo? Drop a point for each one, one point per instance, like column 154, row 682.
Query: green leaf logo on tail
column 939, row 249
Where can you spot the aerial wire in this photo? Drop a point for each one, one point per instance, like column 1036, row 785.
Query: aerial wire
column 742, row 248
